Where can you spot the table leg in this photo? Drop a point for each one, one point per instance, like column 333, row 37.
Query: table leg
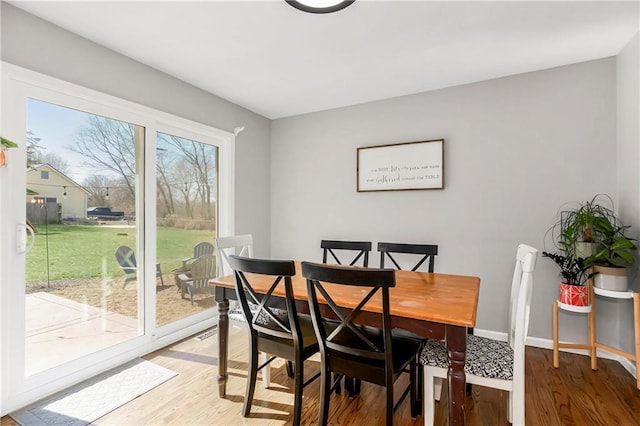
column 223, row 342
column 456, row 340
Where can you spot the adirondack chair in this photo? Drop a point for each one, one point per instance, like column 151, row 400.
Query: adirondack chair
column 201, row 249
column 126, row 258
column 202, row 270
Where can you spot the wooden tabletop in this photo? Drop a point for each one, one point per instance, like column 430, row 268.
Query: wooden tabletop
column 442, row 298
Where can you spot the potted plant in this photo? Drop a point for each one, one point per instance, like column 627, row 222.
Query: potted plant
column 589, row 234
column 573, row 273
column 572, row 236
column 581, row 224
column 4, row 144
column 613, row 256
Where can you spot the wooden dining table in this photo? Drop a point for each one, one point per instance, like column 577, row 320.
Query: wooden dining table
column 433, row 305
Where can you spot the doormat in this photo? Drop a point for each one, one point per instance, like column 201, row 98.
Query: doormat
column 88, row 401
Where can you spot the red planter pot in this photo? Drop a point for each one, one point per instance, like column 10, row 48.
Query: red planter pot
column 576, row 295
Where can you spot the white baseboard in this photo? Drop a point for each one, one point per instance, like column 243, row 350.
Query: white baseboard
column 537, row 342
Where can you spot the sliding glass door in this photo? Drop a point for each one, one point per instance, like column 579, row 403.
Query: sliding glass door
column 82, row 195
column 187, row 179
column 92, row 274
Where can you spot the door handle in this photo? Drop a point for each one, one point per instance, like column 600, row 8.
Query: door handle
column 22, row 231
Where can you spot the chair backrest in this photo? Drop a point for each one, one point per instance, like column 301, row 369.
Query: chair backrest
column 362, row 249
column 126, row 258
column 202, row 270
column 348, row 339
column 428, row 252
column 519, row 308
column 202, row 249
column 240, row 245
column 267, row 316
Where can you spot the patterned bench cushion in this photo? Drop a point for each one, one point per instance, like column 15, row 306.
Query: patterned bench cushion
column 485, row 357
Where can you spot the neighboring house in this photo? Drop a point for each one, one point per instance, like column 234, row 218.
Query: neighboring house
column 51, row 185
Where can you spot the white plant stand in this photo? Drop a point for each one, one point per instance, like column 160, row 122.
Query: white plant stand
column 628, row 295
column 593, row 345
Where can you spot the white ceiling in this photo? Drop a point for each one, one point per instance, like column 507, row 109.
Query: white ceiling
column 278, row 61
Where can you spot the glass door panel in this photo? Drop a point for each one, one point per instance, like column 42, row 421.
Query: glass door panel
column 186, row 211
column 83, row 285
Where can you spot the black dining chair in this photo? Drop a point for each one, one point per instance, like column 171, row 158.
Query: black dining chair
column 407, row 254
column 361, row 249
column 400, row 253
column 347, row 346
column 274, row 328
column 427, row 252
column 358, row 252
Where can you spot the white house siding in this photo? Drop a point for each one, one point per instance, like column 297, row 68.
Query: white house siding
column 74, row 206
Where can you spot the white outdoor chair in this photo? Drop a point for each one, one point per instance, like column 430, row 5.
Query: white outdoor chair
column 489, row 362
column 240, row 245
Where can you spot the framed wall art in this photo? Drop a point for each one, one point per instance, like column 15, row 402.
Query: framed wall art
column 401, row 166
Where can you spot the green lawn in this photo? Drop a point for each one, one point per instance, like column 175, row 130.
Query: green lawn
column 77, row 251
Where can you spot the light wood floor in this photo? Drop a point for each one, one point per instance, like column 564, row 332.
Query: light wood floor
column 570, row 395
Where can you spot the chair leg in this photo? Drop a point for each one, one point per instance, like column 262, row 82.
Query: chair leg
column 338, row 388
column 251, row 377
column 297, row 392
column 428, row 398
column 266, row 370
column 510, row 407
column 415, row 410
column 515, row 410
column 349, row 386
column 290, row 369
column 389, row 392
column 420, row 383
column 325, row 395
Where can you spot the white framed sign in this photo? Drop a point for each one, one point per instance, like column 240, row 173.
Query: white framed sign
column 402, row 166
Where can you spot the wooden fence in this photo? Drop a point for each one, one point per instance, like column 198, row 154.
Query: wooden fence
column 38, row 214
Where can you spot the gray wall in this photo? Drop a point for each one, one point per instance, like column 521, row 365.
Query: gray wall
column 33, row 43
column 516, row 149
column 628, row 170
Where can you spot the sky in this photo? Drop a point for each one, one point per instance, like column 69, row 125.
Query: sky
column 56, row 127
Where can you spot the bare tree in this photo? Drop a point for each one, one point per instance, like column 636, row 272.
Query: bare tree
column 185, row 181
column 34, row 149
column 201, row 160
column 165, row 191
column 109, row 145
column 54, row 160
column 97, row 185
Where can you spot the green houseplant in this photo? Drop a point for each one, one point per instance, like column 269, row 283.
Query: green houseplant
column 573, row 276
column 613, row 256
column 589, row 234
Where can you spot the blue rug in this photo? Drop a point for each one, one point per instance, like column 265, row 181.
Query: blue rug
column 92, row 399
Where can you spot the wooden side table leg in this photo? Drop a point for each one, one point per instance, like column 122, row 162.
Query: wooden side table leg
column 556, row 353
column 636, row 323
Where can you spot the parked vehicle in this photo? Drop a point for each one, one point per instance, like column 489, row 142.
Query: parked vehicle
column 104, row 213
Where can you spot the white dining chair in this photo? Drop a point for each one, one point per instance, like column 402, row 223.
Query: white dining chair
column 240, row 245
column 489, row 362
